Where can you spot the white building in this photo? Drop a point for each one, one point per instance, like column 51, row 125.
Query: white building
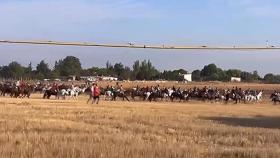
column 235, row 79
column 89, row 78
column 187, row 77
column 109, row 78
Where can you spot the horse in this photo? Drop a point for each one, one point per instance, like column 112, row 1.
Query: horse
column 26, row 90
column 253, row 96
column 108, row 95
column 15, row 91
column 74, row 92
column 154, row 95
column 49, row 92
column 6, row 88
column 177, row 95
column 118, row 93
column 275, row 97
column 135, row 92
column 259, row 96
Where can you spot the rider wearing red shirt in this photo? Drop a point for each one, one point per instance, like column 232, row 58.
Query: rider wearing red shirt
column 55, row 86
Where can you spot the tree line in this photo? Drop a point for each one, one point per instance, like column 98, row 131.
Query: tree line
column 140, row 70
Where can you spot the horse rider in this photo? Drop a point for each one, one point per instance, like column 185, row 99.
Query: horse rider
column 72, row 86
column 107, row 88
column 17, row 83
column 173, row 88
column 121, row 89
column 147, row 89
column 55, row 86
column 111, row 89
column 158, row 88
column 179, row 90
column 153, row 89
column 233, row 90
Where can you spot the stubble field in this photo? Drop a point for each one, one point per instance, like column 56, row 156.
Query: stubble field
column 71, row 128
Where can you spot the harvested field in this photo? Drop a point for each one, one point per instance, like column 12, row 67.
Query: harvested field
column 71, row 128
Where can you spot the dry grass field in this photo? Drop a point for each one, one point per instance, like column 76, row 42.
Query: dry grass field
column 73, row 129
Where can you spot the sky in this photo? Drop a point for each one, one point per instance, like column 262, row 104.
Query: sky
column 157, row 22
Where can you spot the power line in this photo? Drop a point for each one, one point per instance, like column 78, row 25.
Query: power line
column 133, row 46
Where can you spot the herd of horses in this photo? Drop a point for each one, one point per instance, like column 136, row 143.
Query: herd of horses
column 204, row 94
column 236, row 95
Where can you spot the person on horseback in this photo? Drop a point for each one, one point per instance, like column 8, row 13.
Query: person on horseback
column 152, row 89
column 158, row 88
column 174, row 89
column 179, row 90
column 55, row 86
column 147, row 89
column 22, row 84
column 121, row 89
column 111, row 89
column 72, row 86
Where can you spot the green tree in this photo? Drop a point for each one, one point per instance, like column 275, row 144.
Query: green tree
column 16, row 70
column 5, row 72
column 126, row 74
column 136, row 69
column 196, row 75
column 256, row 76
column 271, row 78
column 233, row 73
column 145, row 71
column 174, row 75
column 247, row 76
column 43, row 70
column 109, row 69
column 209, row 72
column 118, row 69
column 68, row 66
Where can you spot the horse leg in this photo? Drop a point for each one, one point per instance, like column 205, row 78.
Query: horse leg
column 150, row 98
column 126, row 98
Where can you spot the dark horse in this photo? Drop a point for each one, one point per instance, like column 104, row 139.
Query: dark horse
column 24, row 91
column 16, row 91
column 119, row 94
column 138, row 93
column 235, row 95
column 179, row 95
column 158, row 94
column 49, row 92
column 275, row 97
column 6, row 88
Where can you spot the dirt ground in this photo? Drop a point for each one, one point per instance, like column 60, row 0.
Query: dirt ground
column 71, row 128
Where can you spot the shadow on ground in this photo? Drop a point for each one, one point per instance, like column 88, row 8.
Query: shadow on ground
column 259, row 121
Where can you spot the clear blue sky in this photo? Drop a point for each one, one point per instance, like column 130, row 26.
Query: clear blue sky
column 180, row 22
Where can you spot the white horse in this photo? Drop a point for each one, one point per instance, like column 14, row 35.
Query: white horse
column 147, row 94
column 63, row 93
column 250, row 98
column 108, row 95
column 259, row 96
column 74, row 92
column 254, row 98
